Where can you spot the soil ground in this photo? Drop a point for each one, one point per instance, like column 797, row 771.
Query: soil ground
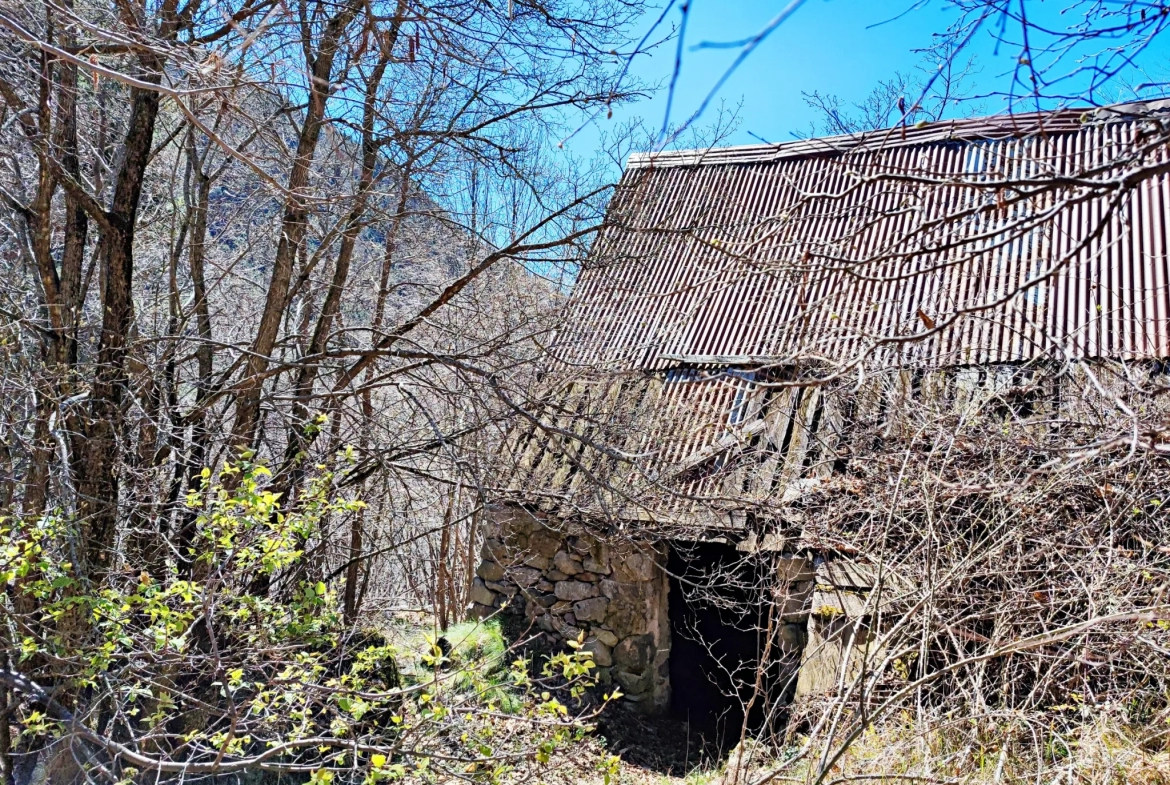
column 662, row 745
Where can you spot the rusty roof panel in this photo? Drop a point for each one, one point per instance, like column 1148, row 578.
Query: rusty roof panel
column 722, row 276
column 985, row 241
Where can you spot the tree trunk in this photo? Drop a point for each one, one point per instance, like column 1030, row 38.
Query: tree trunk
column 205, row 358
column 97, row 484
column 307, row 376
column 292, row 228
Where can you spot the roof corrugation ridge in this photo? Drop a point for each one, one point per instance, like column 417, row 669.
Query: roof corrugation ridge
column 993, row 127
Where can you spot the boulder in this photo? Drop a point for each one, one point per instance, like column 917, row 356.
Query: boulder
column 489, row 570
column 598, row 559
column 602, row 656
column 633, row 567
column 566, row 631
column 514, row 522
column 535, row 561
column 565, row 564
column 525, row 576
column 626, row 615
column 609, row 588
column 502, row 588
column 577, row 544
column 571, row 591
column 591, row 610
column 493, row 550
column 480, row 594
column 633, row 684
column 635, row 654
column 545, row 600
column 605, row 636
column 544, row 543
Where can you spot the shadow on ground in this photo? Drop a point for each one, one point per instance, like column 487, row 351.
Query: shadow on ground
column 662, row 744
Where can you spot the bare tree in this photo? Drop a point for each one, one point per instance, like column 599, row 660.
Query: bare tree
column 317, row 238
column 938, row 87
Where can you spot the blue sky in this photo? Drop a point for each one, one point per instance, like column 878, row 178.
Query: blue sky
column 834, row 46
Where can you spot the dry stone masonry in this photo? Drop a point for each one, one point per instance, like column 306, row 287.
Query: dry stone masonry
column 566, row 581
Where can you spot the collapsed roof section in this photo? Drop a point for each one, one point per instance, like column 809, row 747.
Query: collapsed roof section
column 687, row 453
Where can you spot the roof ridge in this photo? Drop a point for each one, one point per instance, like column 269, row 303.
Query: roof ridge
column 991, row 127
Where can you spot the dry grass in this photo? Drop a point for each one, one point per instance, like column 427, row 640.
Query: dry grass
column 1099, row 752
column 1040, row 749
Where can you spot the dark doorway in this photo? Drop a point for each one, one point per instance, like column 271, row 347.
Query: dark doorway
column 720, row 601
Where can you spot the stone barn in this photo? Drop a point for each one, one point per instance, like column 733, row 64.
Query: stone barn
column 741, row 310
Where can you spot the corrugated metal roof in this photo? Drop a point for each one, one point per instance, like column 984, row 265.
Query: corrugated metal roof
column 996, row 127
column 951, row 261
column 980, row 241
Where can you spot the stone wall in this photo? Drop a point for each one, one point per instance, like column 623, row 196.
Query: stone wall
column 566, row 581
